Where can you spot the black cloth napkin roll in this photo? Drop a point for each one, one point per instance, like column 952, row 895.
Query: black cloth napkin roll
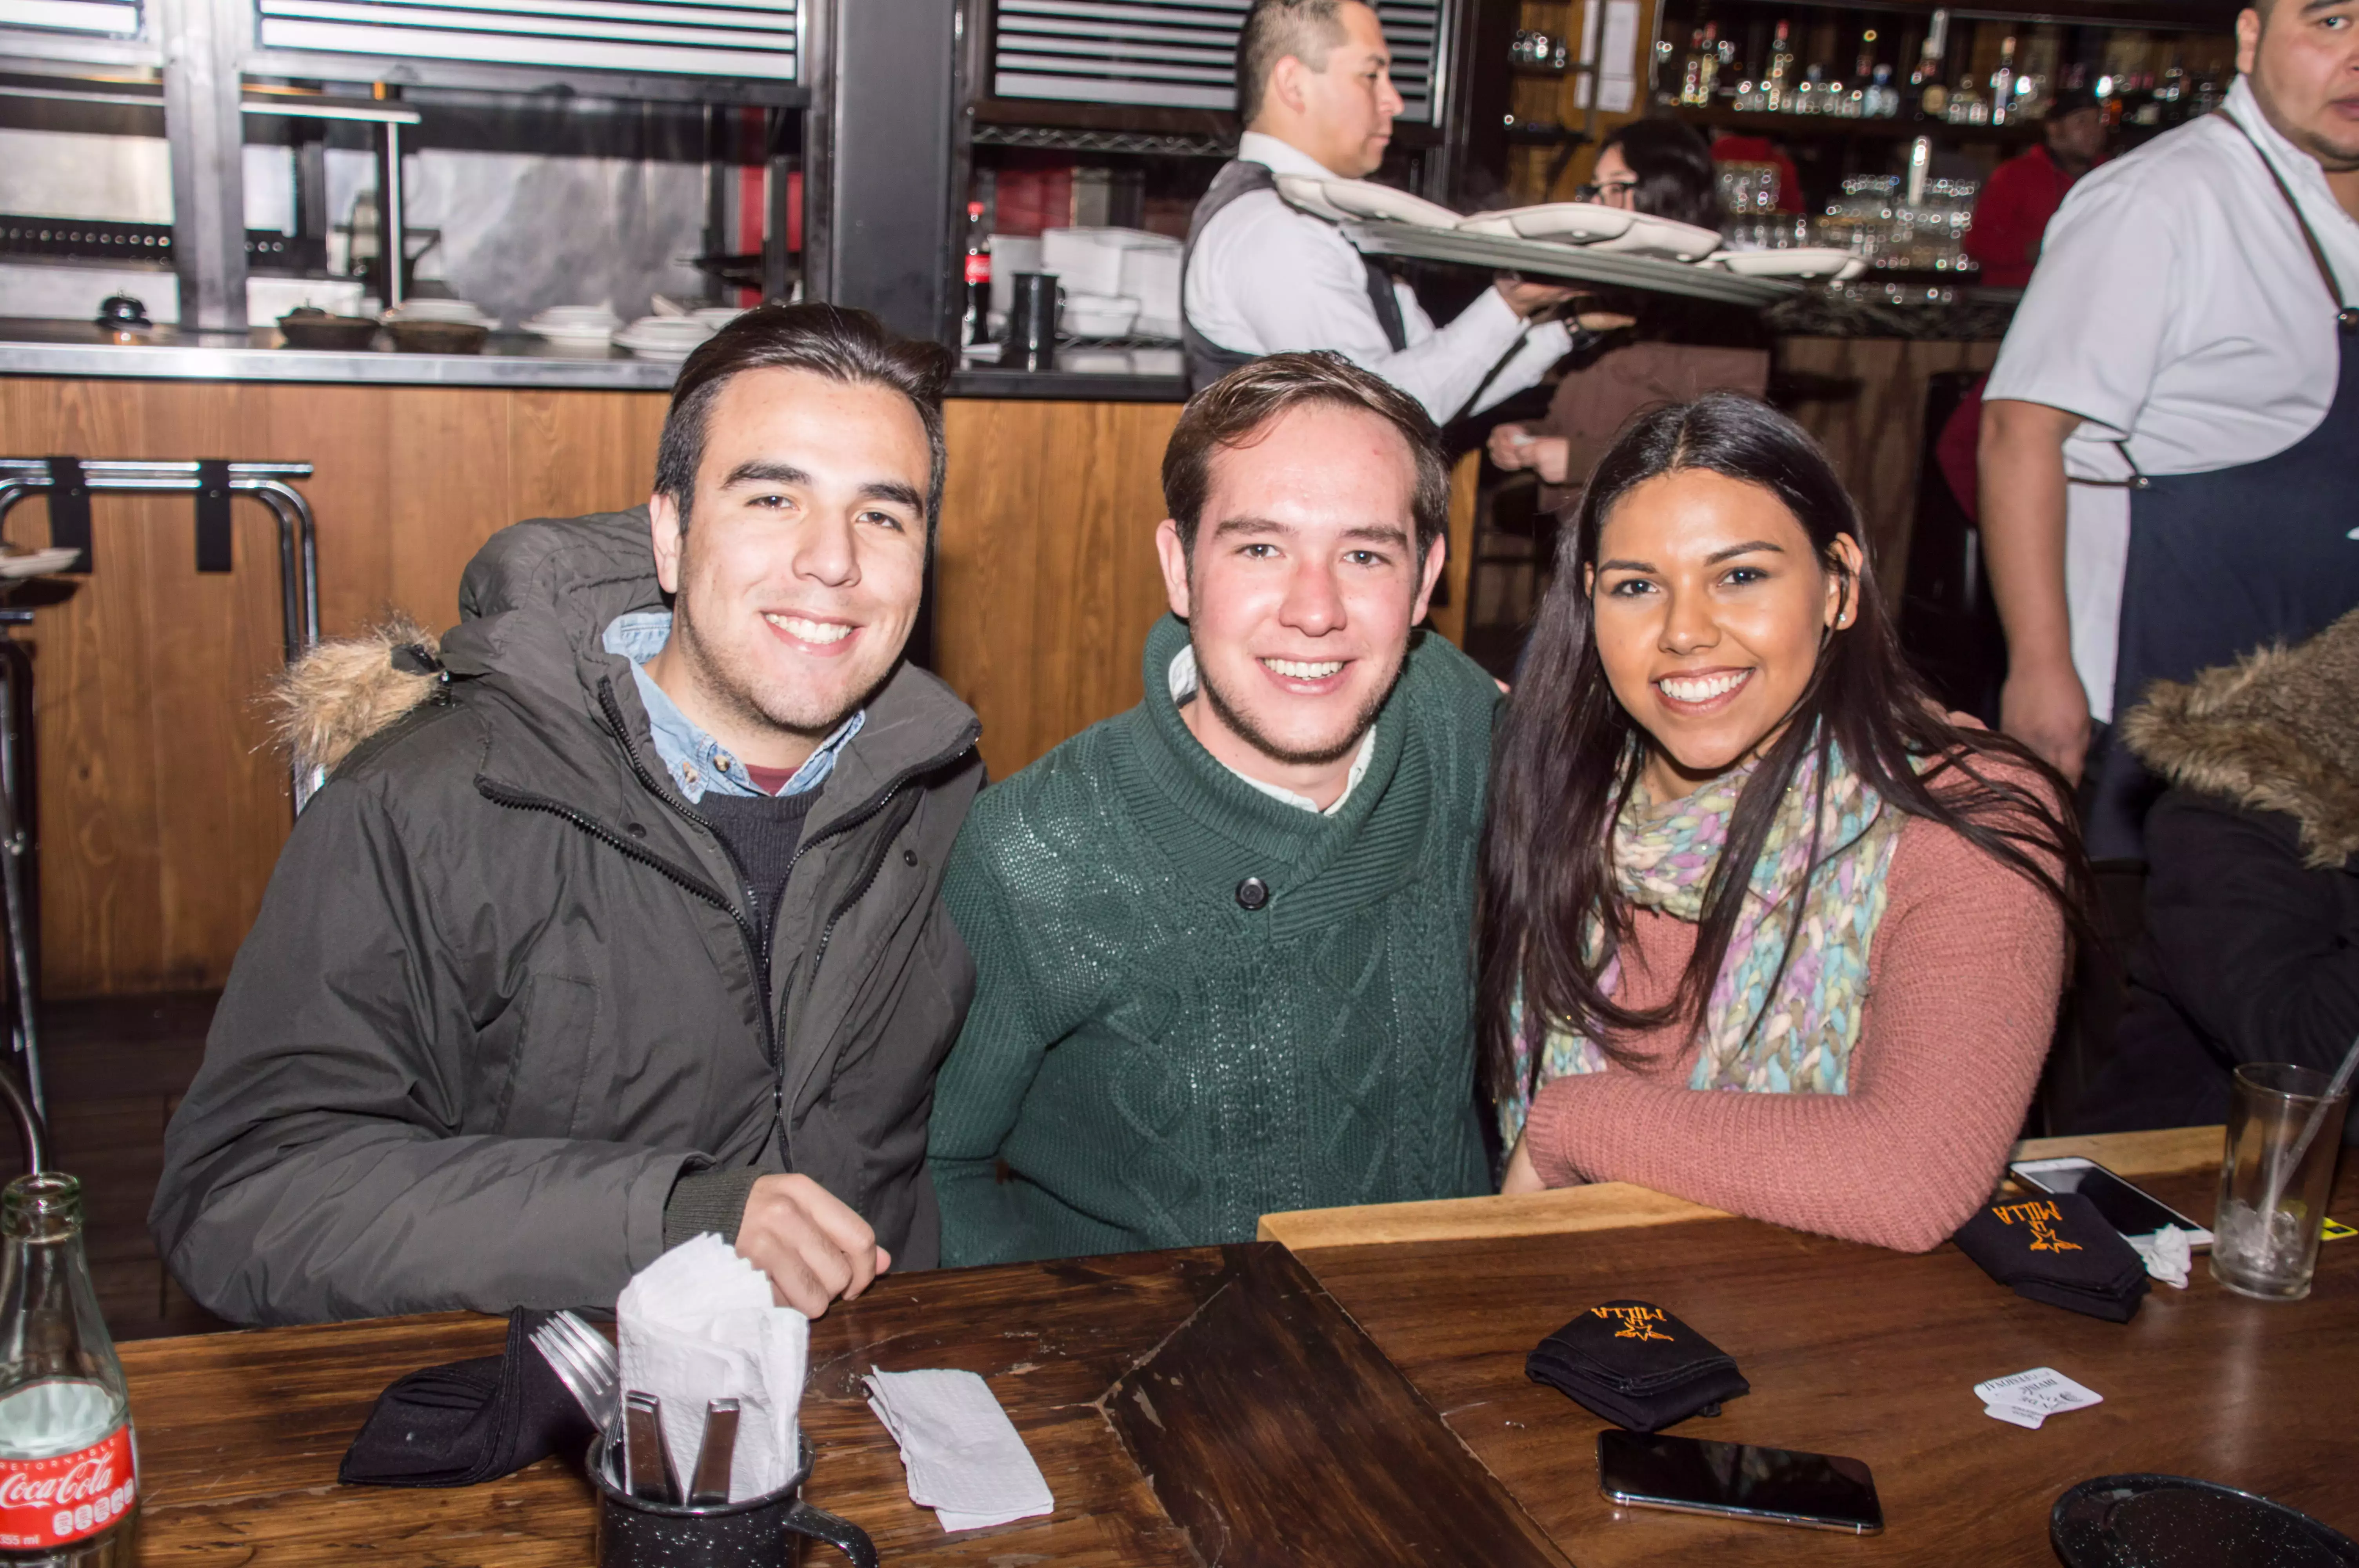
column 1636, row 1365
column 469, row 1421
column 2056, row 1247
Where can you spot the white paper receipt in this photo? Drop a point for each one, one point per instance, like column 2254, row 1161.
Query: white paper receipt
column 2027, row 1399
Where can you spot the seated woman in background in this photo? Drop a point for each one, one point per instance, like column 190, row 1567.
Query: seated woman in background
column 2251, row 951
column 1663, row 168
column 1734, row 846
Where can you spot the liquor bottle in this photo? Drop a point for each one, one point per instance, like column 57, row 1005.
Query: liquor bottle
column 1691, row 72
column 1931, row 98
column 974, row 327
column 2002, row 84
column 1780, row 83
column 1708, row 66
column 69, row 1467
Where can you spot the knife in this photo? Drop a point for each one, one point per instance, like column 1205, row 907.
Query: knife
column 711, row 1484
column 646, row 1464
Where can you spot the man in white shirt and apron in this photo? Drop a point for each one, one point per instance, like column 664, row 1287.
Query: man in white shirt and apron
column 1262, row 277
column 2169, row 459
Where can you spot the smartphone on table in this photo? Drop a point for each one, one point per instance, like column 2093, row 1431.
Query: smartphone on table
column 2128, row 1209
column 1737, row 1480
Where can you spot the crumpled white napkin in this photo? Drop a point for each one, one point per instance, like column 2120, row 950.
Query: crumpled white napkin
column 698, row 1324
column 966, row 1461
column 2167, row 1255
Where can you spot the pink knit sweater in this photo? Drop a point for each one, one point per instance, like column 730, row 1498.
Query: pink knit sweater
column 1963, row 975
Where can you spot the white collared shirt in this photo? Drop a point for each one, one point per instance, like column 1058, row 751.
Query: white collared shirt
column 1266, row 278
column 1183, row 676
column 2175, row 305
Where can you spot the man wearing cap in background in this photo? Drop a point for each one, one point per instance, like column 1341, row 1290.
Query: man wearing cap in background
column 2024, row 192
column 2170, row 438
column 1315, row 91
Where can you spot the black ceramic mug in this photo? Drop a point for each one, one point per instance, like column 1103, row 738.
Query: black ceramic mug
column 1031, row 339
column 763, row 1532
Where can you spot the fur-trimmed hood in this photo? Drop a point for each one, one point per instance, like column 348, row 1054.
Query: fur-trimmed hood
column 343, row 691
column 532, row 605
column 2277, row 731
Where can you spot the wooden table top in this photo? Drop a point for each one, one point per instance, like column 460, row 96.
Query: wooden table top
column 1357, row 1395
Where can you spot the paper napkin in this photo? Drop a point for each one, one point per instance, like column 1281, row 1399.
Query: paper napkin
column 698, row 1324
column 2027, row 1399
column 2166, row 1254
column 965, row 1459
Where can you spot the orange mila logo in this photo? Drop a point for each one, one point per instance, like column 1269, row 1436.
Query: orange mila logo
column 1638, row 1321
column 2043, row 1218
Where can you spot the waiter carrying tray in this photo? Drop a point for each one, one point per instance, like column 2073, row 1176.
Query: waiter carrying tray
column 2170, row 460
column 1315, row 91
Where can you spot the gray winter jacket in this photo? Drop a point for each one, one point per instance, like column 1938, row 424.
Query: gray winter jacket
column 503, row 998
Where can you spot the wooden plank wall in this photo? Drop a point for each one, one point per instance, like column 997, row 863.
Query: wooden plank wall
column 1873, row 437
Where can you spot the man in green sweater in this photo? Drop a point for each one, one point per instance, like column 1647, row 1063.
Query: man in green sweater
column 1222, row 944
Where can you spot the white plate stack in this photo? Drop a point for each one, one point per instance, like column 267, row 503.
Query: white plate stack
column 663, row 337
column 576, row 329
column 1801, row 262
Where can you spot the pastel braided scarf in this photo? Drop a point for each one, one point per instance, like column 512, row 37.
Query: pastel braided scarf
column 1663, row 857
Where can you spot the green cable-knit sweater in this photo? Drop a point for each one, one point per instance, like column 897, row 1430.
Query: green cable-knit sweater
column 1148, row 1062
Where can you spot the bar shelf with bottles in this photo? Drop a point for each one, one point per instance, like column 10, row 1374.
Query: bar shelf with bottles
column 1891, row 119
column 1864, row 78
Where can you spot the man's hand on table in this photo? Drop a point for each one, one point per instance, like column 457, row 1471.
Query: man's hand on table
column 811, row 1244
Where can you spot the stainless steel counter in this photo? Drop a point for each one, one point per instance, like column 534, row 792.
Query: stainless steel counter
column 75, row 349
column 168, row 353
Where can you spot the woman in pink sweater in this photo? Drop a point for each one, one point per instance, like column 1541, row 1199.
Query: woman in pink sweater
column 1760, row 927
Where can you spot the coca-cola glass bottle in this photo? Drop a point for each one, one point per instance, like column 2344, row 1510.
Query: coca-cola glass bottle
column 69, row 1472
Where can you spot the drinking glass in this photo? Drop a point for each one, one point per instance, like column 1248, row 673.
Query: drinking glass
column 2265, row 1236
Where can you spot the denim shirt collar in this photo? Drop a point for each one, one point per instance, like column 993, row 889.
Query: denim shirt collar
column 696, row 762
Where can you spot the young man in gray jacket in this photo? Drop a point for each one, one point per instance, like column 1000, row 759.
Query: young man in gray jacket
column 617, row 920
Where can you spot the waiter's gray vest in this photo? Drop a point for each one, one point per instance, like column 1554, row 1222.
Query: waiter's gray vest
column 1208, row 361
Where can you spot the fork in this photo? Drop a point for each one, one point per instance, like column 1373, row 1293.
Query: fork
column 585, row 1363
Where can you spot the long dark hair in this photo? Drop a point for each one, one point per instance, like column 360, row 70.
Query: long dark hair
column 1568, row 754
column 1673, row 163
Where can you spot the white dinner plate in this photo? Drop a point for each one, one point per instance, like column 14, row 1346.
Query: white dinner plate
column 1366, row 199
column 1803, row 261
column 1651, row 236
column 1310, row 194
column 663, row 337
column 1566, row 222
column 37, row 563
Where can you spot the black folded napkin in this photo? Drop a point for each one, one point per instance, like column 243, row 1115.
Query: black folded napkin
column 2056, row 1247
column 1636, row 1365
column 469, row 1421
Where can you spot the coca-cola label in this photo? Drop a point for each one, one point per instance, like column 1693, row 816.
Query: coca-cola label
column 56, row 1501
column 978, row 267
